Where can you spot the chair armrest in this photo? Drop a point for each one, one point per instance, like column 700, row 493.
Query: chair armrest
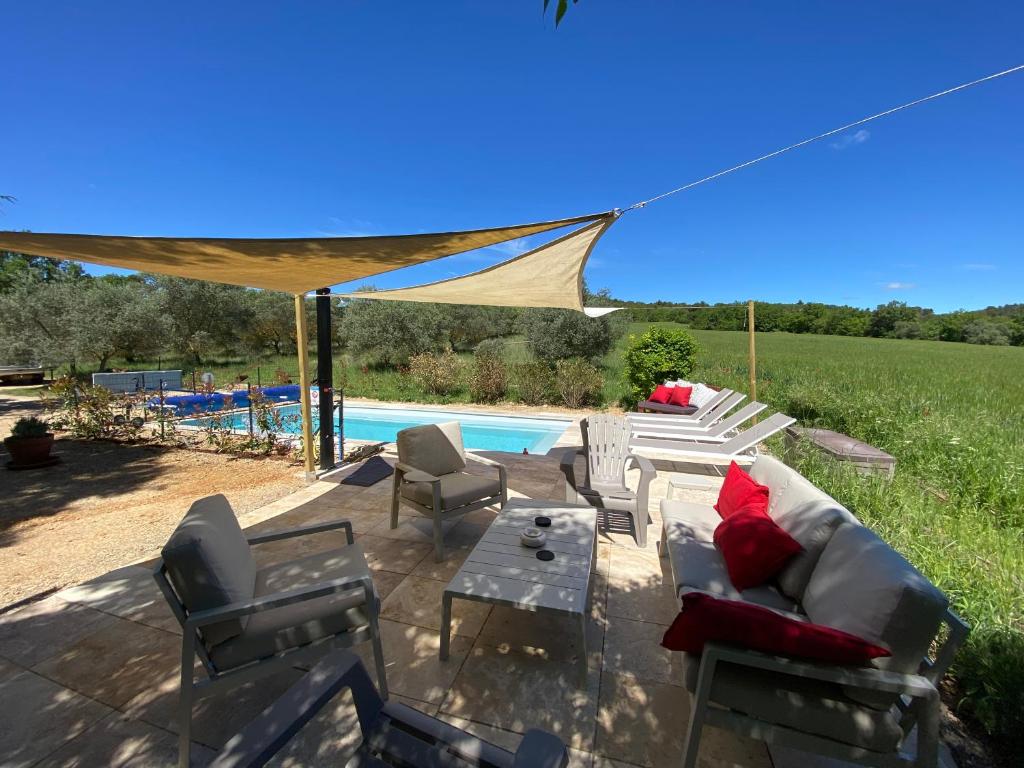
column 867, row 678
column 304, row 530
column 483, row 459
column 413, row 475
column 540, row 749
column 643, row 464
column 236, row 610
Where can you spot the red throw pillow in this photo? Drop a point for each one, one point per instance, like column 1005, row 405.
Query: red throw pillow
column 708, row 619
column 661, row 394
column 754, row 547
column 740, row 490
column 680, row 395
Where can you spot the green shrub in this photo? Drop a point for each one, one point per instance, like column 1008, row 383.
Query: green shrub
column 658, row 355
column 438, row 374
column 489, row 379
column 534, row 382
column 579, row 383
column 558, row 334
column 491, row 347
column 29, row 427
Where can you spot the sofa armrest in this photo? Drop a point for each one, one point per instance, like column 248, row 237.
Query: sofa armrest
column 867, row 678
column 305, row 530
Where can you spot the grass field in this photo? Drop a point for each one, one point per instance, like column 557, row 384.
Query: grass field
column 952, row 415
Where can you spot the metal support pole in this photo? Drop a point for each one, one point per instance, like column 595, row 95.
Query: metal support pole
column 325, row 377
column 753, row 353
column 302, row 342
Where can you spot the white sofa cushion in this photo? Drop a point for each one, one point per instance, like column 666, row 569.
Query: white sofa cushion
column 701, row 394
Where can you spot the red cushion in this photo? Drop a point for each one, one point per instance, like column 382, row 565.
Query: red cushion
column 661, row 394
column 754, row 547
column 740, row 490
column 680, row 395
column 707, row 619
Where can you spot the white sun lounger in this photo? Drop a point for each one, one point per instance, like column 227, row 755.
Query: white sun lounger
column 718, row 430
column 741, row 448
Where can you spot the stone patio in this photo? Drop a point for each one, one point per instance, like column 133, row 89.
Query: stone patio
column 88, row 676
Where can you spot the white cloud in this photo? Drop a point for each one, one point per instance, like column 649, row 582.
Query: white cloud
column 851, row 139
column 895, row 285
column 978, row 267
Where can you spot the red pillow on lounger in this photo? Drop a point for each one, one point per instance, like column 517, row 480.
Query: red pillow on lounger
column 680, row 395
column 740, row 490
column 661, row 394
column 755, row 548
column 708, row 619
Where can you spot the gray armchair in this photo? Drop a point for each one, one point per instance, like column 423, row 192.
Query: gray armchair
column 429, row 478
column 244, row 622
column 606, row 441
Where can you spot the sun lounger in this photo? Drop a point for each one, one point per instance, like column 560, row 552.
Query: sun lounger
column 706, row 434
column 741, row 448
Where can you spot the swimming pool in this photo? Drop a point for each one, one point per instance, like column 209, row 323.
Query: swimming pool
column 480, row 431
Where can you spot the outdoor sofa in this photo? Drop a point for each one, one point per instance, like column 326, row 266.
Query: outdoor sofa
column 845, row 577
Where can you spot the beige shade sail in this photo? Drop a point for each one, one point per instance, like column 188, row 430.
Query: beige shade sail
column 293, row 265
column 548, row 276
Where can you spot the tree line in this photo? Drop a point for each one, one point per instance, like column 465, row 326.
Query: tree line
column 894, row 320
column 53, row 314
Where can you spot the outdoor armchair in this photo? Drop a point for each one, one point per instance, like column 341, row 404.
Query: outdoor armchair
column 430, row 478
column 392, row 733
column 245, row 622
column 608, row 456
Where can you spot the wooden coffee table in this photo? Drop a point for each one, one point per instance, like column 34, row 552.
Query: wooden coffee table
column 500, row 570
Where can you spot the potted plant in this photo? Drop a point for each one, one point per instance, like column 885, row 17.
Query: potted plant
column 30, row 442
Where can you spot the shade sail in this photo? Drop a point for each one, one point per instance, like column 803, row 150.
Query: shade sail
column 548, row 276
column 294, row 265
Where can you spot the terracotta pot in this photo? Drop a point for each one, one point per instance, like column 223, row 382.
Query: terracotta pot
column 26, row 451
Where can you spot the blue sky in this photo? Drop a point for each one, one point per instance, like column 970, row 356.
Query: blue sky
column 273, row 119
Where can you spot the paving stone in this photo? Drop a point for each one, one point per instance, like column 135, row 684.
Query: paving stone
column 644, row 723
column 640, row 587
column 117, row 742
column 115, row 663
column 39, row 716
column 454, row 557
column 411, row 660
column 215, row 718
column 634, row 648
column 509, row 741
column 418, row 601
column 393, row 555
column 40, row 630
column 516, row 692
column 130, row 593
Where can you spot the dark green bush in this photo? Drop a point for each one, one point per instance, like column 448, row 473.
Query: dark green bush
column 658, row 355
column 558, row 334
column 28, row 427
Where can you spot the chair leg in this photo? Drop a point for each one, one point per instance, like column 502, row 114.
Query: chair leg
column 378, row 659
column 438, row 539
column 927, row 734
column 394, row 503
column 640, row 518
column 185, row 700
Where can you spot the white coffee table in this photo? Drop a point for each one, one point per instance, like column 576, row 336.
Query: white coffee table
column 500, row 570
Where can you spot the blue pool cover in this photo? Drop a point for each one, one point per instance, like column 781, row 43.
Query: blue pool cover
column 220, row 401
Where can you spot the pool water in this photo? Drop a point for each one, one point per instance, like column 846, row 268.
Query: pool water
column 479, row 431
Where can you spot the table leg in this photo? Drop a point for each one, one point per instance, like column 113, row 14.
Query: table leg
column 583, row 650
column 446, row 624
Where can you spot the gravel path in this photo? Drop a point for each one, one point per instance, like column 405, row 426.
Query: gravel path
column 107, row 505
